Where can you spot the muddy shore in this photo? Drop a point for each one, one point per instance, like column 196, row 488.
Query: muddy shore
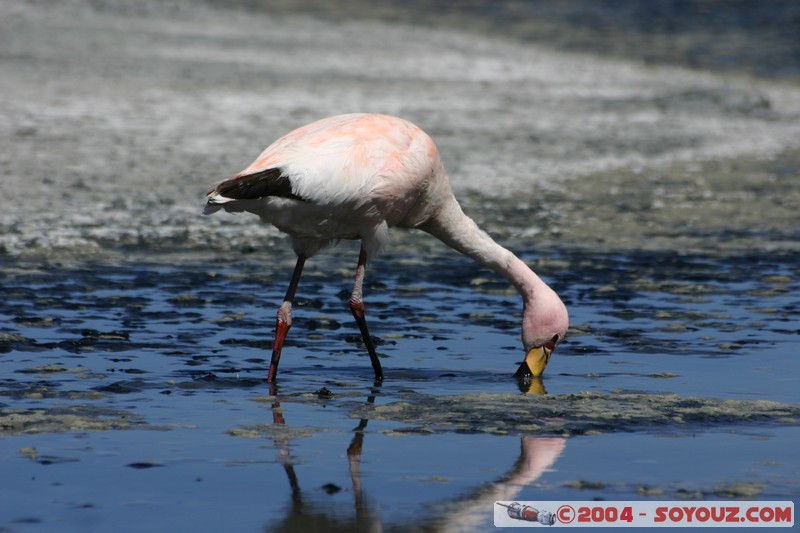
column 116, row 120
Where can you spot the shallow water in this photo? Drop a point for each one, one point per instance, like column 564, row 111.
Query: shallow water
column 138, row 391
column 660, row 202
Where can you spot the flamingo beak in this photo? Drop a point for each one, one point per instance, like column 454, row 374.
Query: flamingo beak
column 535, row 361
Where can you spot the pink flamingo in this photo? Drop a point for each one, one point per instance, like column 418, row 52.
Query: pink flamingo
column 352, row 177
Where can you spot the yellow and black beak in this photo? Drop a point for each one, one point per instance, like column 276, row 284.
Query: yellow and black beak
column 535, row 361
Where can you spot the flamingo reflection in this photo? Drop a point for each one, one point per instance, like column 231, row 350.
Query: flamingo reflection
column 307, row 516
column 468, row 512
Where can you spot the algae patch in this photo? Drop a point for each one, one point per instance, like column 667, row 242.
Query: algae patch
column 58, row 420
column 740, row 490
column 573, row 414
column 274, row 432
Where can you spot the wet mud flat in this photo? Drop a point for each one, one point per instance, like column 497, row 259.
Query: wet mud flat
column 154, row 375
column 661, row 203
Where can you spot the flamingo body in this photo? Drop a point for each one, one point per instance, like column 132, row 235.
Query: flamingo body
column 354, row 176
column 349, row 177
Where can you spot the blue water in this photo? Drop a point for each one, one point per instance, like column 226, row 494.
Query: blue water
column 184, row 349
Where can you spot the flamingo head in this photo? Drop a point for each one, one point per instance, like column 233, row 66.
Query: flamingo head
column 544, row 325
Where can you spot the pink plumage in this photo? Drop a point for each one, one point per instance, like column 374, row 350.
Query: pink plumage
column 354, row 176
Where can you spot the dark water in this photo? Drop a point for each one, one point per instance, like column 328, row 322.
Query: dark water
column 752, row 36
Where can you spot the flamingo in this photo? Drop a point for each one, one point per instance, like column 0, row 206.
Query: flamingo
column 352, row 177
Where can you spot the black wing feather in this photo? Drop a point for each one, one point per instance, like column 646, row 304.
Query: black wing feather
column 270, row 182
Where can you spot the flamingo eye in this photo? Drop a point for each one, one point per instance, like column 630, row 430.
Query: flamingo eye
column 551, row 344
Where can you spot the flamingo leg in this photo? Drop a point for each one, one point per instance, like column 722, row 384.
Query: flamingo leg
column 358, row 309
column 284, row 319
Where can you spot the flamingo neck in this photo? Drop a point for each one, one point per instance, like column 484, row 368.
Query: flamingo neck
column 460, row 232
